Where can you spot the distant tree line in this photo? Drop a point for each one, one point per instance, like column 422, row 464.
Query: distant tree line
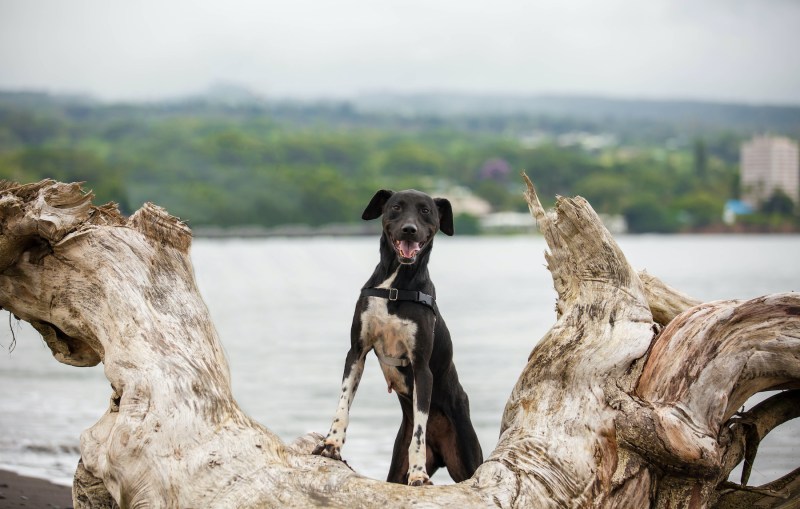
column 253, row 164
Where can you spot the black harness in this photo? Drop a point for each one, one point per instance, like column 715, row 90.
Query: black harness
column 393, row 294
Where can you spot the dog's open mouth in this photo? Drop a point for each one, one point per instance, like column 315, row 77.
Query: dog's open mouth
column 407, row 250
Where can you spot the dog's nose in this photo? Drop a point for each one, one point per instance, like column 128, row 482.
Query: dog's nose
column 409, row 228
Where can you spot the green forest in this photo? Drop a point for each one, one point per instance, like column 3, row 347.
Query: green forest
column 220, row 162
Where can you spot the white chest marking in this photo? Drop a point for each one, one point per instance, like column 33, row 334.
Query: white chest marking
column 390, row 336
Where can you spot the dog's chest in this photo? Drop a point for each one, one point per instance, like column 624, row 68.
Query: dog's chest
column 391, row 336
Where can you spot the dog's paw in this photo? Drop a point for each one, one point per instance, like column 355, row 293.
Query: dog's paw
column 332, row 451
column 420, row 480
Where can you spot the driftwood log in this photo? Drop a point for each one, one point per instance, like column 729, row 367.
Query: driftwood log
column 630, row 400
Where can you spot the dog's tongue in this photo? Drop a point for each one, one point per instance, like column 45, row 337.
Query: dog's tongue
column 408, row 249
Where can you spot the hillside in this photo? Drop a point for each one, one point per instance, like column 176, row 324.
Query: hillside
column 232, row 159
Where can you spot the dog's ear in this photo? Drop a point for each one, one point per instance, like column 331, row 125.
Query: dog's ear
column 445, row 216
column 375, row 207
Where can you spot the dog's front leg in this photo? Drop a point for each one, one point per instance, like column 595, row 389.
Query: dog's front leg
column 331, row 446
column 417, row 449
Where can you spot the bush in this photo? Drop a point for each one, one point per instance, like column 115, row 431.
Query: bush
column 648, row 215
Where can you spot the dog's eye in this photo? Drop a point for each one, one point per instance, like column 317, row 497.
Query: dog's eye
column 396, row 207
column 425, row 210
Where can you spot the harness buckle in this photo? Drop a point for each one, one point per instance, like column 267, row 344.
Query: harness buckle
column 393, row 294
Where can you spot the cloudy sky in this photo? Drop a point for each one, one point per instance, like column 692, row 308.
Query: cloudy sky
column 720, row 50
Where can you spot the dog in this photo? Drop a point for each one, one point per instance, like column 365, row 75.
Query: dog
column 397, row 317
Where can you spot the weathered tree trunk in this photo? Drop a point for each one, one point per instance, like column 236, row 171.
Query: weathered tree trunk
column 610, row 411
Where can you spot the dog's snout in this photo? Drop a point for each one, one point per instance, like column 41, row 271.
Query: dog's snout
column 409, row 228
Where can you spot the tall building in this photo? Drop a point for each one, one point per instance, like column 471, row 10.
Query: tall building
column 769, row 163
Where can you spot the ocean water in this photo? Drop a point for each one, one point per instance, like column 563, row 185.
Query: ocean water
column 283, row 309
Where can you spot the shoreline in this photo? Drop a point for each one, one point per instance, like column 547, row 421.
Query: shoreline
column 20, row 491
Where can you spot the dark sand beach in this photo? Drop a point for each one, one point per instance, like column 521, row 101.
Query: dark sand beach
column 28, row 492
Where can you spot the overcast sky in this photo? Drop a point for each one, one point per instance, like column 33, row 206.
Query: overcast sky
column 720, row 50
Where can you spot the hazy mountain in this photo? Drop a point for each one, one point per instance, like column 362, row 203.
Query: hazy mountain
column 711, row 114
column 648, row 119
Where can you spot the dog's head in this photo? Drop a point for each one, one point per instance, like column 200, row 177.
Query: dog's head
column 410, row 220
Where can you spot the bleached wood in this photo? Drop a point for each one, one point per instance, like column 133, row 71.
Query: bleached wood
column 610, row 410
column 665, row 302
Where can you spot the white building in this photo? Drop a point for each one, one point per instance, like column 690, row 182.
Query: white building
column 464, row 202
column 769, row 163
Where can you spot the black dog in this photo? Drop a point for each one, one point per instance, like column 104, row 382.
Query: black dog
column 397, row 316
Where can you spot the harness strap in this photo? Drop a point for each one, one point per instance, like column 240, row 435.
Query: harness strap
column 394, row 294
column 392, row 361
